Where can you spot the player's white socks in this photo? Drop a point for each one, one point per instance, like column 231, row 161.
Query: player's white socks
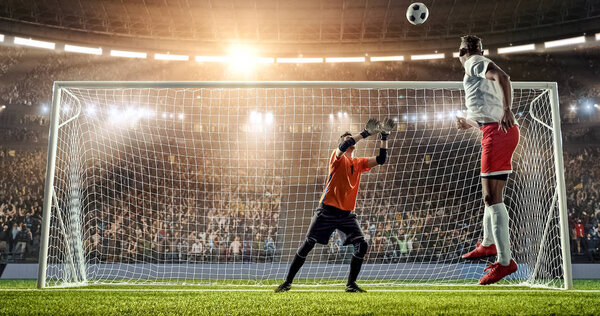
column 488, row 237
column 499, row 216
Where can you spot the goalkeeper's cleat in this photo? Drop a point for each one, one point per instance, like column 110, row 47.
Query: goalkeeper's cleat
column 353, row 288
column 283, row 287
column 481, row 251
column 497, row 272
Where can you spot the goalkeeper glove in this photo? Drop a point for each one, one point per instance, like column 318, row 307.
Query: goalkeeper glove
column 386, row 127
column 372, row 127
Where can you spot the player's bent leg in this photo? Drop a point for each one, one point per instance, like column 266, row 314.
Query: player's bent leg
column 360, row 250
column 481, row 251
column 487, row 247
column 297, row 263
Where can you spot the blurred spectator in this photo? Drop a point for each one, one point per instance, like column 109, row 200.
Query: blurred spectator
column 591, row 246
column 22, row 239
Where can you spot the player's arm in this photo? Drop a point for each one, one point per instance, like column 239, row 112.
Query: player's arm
column 496, row 74
column 386, row 128
column 372, row 127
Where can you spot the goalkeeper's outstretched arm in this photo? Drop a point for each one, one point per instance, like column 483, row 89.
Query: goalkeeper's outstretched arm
column 385, row 128
column 372, row 127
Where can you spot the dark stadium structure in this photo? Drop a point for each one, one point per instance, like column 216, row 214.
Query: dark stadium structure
column 285, row 28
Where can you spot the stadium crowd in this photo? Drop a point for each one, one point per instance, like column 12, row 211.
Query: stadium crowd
column 582, row 177
column 241, row 223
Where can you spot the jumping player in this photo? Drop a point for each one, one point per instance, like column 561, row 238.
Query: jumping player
column 488, row 95
column 338, row 200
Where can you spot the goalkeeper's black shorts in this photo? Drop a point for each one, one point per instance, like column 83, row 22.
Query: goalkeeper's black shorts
column 327, row 219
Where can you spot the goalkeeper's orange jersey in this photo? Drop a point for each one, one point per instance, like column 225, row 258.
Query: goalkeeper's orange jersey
column 343, row 180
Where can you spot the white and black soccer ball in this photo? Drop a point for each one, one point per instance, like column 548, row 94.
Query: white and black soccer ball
column 417, row 13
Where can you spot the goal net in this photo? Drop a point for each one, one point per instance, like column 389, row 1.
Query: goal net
column 216, row 183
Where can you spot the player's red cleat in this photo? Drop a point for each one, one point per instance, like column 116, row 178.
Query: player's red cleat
column 481, row 251
column 497, row 272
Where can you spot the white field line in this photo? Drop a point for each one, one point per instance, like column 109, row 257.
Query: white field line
column 304, row 290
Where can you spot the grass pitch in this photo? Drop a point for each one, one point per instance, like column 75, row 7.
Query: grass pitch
column 21, row 297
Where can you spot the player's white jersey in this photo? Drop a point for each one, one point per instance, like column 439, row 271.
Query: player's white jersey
column 484, row 99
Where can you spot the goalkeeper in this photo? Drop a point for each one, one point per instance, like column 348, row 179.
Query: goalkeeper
column 338, row 200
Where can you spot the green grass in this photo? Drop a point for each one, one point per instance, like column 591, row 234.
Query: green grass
column 21, row 297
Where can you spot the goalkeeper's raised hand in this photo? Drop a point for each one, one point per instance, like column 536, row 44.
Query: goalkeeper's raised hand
column 386, row 127
column 372, row 127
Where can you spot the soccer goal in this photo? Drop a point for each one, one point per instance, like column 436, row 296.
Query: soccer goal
column 215, row 183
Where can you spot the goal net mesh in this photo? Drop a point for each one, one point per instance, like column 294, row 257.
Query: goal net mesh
column 218, row 186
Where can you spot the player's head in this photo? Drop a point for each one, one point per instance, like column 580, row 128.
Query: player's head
column 469, row 45
column 344, row 137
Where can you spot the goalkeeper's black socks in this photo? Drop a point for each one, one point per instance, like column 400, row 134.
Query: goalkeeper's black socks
column 355, row 265
column 294, row 268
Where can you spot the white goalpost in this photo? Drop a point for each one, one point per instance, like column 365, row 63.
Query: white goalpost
column 214, row 183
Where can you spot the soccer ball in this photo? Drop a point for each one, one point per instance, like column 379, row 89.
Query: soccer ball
column 417, row 13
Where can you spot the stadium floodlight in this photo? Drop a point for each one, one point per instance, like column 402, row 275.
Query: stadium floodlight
column 146, row 113
column 269, row 118
column 387, row 58
column 245, row 61
column 263, row 60
column 243, row 58
column 91, row 110
column 299, row 60
column 128, row 54
column 185, row 178
column 171, row 57
column 485, row 53
column 428, row 56
column 253, row 117
column 83, row 49
column 211, row 59
column 564, row 42
column 34, row 43
column 598, row 36
column 1, row 37
column 344, row 59
column 516, row 49
column 114, row 115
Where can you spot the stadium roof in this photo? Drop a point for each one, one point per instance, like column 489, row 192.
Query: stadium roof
column 292, row 27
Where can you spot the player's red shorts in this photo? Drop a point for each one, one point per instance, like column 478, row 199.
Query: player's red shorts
column 497, row 148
